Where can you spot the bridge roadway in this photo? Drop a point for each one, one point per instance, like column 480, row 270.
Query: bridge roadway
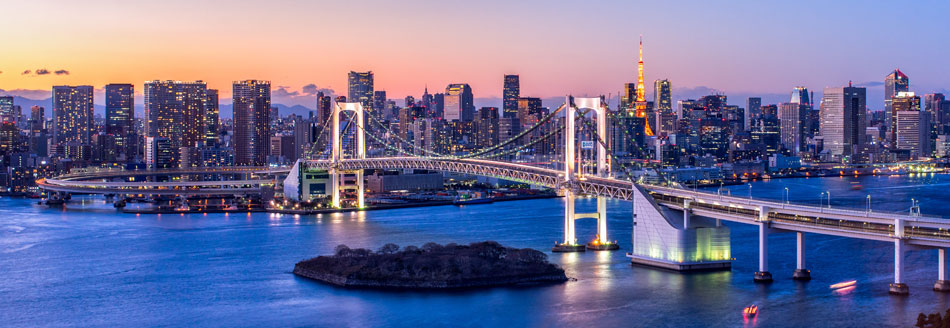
column 917, row 230
column 97, row 181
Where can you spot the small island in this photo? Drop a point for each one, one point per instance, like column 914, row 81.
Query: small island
column 432, row 266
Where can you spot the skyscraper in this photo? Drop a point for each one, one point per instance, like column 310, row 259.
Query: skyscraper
column 662, row 95
column 894, row 83
column 512, row 92
column 379, row 104
column 903, row 101
column 790, row 126
column 37, row 126
column 843, row 120
column 913, row 132
column 6, row 109
column 361, row 88
column 459, row 103
column 752, row 109
column 212, row 117
column 175, row 111
column 628, row 97
column 72, row 116
column 252, row 122
column 120, row 119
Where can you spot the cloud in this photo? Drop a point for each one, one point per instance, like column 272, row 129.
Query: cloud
column 869, row 84
column 62, row 72
column 312, row 90
column 283, row 91
column 26, row 72
column 42, row 71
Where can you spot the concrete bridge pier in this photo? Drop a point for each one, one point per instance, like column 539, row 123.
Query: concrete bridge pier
column 763, row 275
column 569, row 244
column 898, row 287
column 800, row 272
column 942, row 285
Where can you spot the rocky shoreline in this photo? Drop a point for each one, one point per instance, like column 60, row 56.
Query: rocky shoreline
column 433, row 266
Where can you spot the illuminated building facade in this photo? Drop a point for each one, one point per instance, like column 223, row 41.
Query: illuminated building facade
column 175, row 110
column 894, row 83
column 7, row 110
column 512, row 92
column 360, row 88
column 73, row 119
column 252, row 121
column 843, row 120
column 212, row 117
column 120, row 121
column 459, row 103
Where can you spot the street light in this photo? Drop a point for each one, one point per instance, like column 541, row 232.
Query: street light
column 750, row 191
column 829, row 198
column 869, row 203
column 821, row 200
column 786, row 195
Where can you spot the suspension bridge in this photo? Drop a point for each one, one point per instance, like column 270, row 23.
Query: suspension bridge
column 674, row 228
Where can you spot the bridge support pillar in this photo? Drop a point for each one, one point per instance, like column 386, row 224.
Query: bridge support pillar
column 570, row 240
column 898, row 287
column 335, row 188
column 942, row 285
column 686, row 213
column 763, row 275
column 800, row 272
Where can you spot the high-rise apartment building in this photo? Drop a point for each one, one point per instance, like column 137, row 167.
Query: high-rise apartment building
column 459, row 103
column 73, row 123
column 252, row 122
column 790, row 116
column 212, row 117
column 360, row 88
column 120, row 120
column 511, row 93
column 843, row 120
column 913, row 132
column 176, row 111
column 753, row 108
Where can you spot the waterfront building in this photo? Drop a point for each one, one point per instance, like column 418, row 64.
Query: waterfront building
column 903, row 101
column 73, row 123
column 511, row 94
column 159, row 153
column 934, row 104
column 843, row 120
column 175, row 110
column 282, row 149
column 913, row 132
column 894, row 83
column 120, row 120
column 459, row 103
column 790, row 116
column 252, row 101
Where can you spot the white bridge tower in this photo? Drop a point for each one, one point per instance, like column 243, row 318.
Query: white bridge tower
column 337, row 176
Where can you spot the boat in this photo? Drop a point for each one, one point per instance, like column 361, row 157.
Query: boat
column 856, row 185
column 472, row 199
column 750, row 311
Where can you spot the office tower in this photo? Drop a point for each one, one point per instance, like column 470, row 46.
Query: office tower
column 120, row 120
column 903, row 101
column 159, row 153
column 486, row 129
column 752, row 109
column 410, row 101
column 459, row 103
column 303, row 137
column 528, row 110
column 843, row 120
column 361, row 88
column 212, row 117
column 913, row 131
column 438, row 101
column 933, row 105
column 37, row 126
column 282, row 148
column 7, row 109
column 175, row 110
column 428, row 101
column 893, row 84
column 379, row 104
column 324, row 109
column 511, row 93
column 73, row 123
column 251, row 122
column 628, row 97
column 790, row 116
column 662, row 96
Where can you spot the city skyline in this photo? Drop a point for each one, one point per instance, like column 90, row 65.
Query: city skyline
column 736, row 58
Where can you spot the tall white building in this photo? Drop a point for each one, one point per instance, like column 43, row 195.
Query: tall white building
column 913, row 132
column 843, row 120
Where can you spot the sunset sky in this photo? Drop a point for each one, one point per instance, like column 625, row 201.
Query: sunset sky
column 558, row 47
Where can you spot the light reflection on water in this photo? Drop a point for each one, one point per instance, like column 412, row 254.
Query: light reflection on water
column 207, row 269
